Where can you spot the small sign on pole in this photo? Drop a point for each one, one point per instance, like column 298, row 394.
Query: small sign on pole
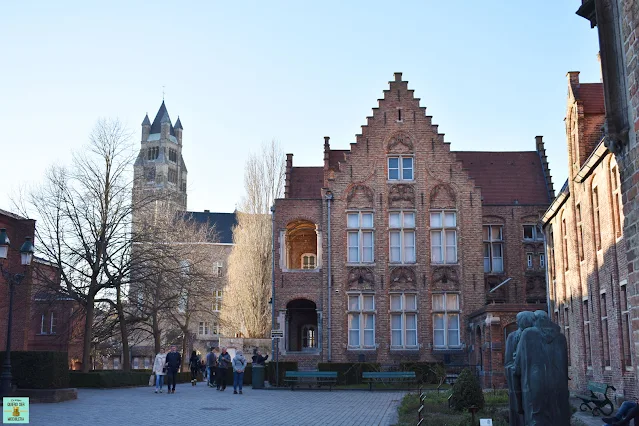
column 485, row 422
column 277, row 334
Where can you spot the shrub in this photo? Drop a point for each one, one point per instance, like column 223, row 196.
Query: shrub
column 348, row 373
column 425, row 372
column 39, row 369
column 284, row 366
column 467, row 392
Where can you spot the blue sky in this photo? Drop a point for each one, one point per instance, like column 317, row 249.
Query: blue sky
column 492, row 74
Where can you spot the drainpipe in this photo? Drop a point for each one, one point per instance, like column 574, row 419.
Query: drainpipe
column 273, row 276
column 329, row 198
column 547, row 264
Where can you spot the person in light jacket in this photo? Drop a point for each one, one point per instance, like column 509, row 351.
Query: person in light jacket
column 159, row 370
column 239, row 364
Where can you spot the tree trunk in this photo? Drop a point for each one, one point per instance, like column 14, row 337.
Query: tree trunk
column 124, row 335
column 156, row 332
column 88, row 334
column 184, row 349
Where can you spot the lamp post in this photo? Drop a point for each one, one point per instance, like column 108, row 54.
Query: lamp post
column 13, row 279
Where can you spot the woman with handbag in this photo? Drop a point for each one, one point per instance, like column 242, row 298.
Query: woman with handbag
column 159, row 369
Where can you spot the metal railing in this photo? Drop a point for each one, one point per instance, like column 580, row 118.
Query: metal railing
column 422, row 397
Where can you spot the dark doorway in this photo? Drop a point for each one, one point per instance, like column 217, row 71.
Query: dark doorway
column 301, row 316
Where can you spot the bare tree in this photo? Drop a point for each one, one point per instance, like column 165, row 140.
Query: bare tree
column 246, row 309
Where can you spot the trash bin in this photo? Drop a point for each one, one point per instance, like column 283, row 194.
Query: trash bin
column 257, row 376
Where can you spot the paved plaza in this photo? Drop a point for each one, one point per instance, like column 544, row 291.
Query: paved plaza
column 203, row 405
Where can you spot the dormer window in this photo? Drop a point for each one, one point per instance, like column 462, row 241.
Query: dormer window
column 400, row 168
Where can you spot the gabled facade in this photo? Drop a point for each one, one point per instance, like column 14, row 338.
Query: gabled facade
column 388, row 251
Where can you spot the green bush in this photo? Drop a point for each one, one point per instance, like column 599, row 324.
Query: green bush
column 348, row 373
column 284, row 366
column 425, row 372
column 467, row 392
column 39, row 369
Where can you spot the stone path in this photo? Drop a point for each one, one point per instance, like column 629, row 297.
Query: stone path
column 202, row 405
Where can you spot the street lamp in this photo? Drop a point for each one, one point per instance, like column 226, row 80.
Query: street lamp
column 26, row 255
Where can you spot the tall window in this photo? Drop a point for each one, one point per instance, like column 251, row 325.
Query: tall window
column 551, row 245
column 529, row 260
column 533, row 232
column 309, row 337
column 360, row 237
column 564, row 236
column 116, row 363
column 217, row 300
column 309, row 261
column 172, row 155
column 595, row 212
column 402, row 237
column 215, row 328
column 446, row 320
column 586, row 317
column 403, row 308
column 219, row 269
column 153, row 153
column 400, row 168
column 173, row 176
column 204, row 328
column 361, row 320
column 48, row 323
column 605, row 341
column 567, row 331
column 625, row 326
column 580, row 233
column 493, row 248
column 542, row 261
column 443, row 236
column 616, row 200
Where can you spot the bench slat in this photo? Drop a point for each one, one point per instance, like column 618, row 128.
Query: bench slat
column 312, row 374
column 598, row 387
column 388, row 375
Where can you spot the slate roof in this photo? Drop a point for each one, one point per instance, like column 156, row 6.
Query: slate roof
column 507, row 176
column 156, row 127
column 592, row 95
column 306, row 182
column 223, row 223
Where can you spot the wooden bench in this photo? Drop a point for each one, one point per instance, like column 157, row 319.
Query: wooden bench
column 311, row 377
column 600, row 406
column 388, row 377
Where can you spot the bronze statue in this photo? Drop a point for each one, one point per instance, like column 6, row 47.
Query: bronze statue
column 541, row 374
column 524, row 320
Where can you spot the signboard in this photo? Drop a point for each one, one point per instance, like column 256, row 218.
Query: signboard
column 485, row 422
column 15, row 410
column 277, row 334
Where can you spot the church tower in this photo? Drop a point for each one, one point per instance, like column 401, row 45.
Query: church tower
column 159, row 170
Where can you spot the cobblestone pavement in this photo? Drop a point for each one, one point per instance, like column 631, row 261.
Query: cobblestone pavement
column 202, row 405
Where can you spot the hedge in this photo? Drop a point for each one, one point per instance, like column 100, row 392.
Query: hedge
column 348, row 373
column 117, row 378
column 424, row 371
column 284, row 366
column 39, row 369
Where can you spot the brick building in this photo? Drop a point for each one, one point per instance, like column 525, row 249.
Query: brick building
column 42, row 320
column 431, row 252
column 588, row 280
column 617, row 23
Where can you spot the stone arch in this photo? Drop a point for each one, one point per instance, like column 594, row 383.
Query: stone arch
column 443, row 196
column 360, row 196
column 399, row 142
column 301, row 317
column 493, row 220
column 360, row 277
column 403, row 276
column 402, row 195
column 301, row 241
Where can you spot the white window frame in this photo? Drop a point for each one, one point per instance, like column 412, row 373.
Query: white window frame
column 542, row 261
column 215, row 328
column 43, row 329
column 443, row 230
column 446, row 314
column 311, row 341
column 362, row 313
column 402, row 231
column 625, row 317
column 403, row 313
column 529, row 260
column 53, row 322
column 218, row 295
column 490, row 243
column 310, row 256
column 400, row 167
column 219, row 268
column 204, row 328
column 361, row 230
column 537, row 234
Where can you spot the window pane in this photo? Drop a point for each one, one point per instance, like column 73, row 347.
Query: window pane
column 393, row 168
column 451, row 254
column 438, row 321
column 353, row 337
column 486, row 264
column 436, row 238
column 450, row 219
column 436, row 220
column 353, row 303
column 438, row 302
column 396, row 302
column 486, row 249
column 407, row 163
column 369, row 338
column 452, row 302
column 354, row 321
column 410, row 301
column 367, row 220
column 486, row 232
column 396, row 322
column 497, row 233
column 439, row 337
column 498, row 264
column 353, row 255
column 353, row 220
column 451, row 238
column 436, row 255
column 367, row 239
column 396, row 338
column 453, row 322
column 409, row 220
column 394, row 220
column 393, row 163
column 353, row 245
column 411, row 337
column 453, row 337
column 411, row 322
column 409, row 245
column 395, row 253
column 369, row 302
column 367, row 254
column 528, row 231
column 369, row 322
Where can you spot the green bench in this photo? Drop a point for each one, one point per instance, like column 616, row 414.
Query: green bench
column 387, row 377
column 311, row 377
column 599, row 406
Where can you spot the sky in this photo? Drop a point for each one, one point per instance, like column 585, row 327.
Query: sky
column 238, row 74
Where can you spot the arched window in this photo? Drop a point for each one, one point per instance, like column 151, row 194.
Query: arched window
column 309, row 337
column 309, row 261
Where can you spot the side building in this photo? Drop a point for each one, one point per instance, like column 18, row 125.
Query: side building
column 588, row 277
column 401, row 250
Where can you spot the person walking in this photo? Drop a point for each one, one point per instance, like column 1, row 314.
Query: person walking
column 173, row 364
column 223, row 362
column 194, row 364
column 239, row 364
column 211, row 360
column 159, row 369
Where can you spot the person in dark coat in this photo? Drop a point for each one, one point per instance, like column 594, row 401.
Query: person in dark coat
column 194, row 364
column 223, row 362
column 211, row 362
column 173, row 364
column 258, row 358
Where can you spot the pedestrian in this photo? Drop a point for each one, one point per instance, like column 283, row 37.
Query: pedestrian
column 173, row 364
column 239, row 364
column 211, row 360
column 159, row 370
column 223, row 362
column 258, row 358
column 194, row 364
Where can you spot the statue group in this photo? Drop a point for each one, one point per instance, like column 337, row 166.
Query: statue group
column 536, row 365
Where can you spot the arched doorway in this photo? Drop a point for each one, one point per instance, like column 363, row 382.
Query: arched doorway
column 302, row 330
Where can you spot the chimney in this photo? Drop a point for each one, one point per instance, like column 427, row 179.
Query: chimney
column 541, row 150
column 398, row 76
column 573, row 78
column 287, row 179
